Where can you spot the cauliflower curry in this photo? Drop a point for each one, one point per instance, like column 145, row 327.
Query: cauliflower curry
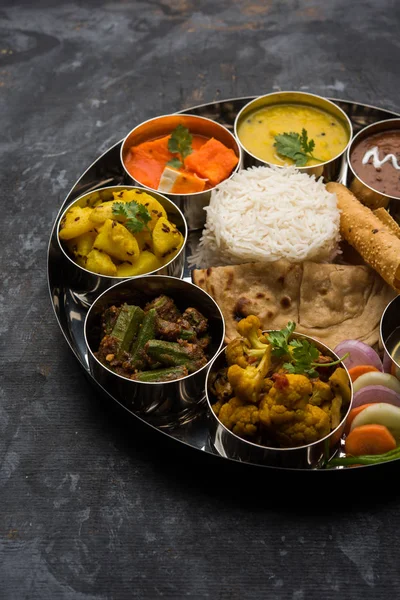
column 277, row 390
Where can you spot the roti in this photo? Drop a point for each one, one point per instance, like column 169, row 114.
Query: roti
column 269, row 290
column 339, row 302
column 327, row 301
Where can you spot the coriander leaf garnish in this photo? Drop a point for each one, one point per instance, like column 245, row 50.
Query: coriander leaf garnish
column 298, row 369
column 279, row 339
column 175, row 163
column 301, row 354
column 308, row 146
column 296, row 146
column 137, row 216
column 304, row 365
column 180, row 143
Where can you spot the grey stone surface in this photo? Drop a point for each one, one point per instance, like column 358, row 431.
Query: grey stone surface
column 92, row 507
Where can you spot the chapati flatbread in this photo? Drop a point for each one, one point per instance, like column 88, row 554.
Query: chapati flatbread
column 339, row 302
column 327, row 301
column 269, row 290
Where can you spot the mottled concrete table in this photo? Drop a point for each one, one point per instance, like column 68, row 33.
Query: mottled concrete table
column 93, row 507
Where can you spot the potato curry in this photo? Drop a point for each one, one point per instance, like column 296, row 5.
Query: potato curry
column 127, row 236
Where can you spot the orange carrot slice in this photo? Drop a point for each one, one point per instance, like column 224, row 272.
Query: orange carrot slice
column 356, row 372
column 213, row 161
column 352, row 415
column 369, row 439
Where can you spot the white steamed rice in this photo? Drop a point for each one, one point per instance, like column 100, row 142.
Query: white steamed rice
column 267, row 213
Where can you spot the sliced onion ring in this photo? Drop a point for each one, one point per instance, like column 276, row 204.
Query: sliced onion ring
column 359, row 354
column 375, row 393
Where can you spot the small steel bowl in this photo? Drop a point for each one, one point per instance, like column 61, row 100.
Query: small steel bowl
column 390, row 333
column 331, row 170
column 364, row 192
column 166, row 404
column 192, row 205
column 230, row 445
column 85, row 285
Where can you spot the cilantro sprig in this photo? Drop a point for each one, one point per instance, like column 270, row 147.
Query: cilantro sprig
column 304, row 355
column 280, row 340
column 180, row 143
column 301, row 354
column 136, row 215
column 295, row 146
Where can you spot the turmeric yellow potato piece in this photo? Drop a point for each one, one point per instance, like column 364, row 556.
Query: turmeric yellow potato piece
column 117, row 241
column 146, row 263
column 169, row 256
column 167, row 239
column 123, row 196
column 102, row 212
column 100, row 262
column 144, row 240
column 76, row 222
column 156, row 210
column 82, row 245
column 95, row 199
column 81, row 261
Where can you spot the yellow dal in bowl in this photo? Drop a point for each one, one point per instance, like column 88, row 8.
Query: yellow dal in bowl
column 258, row 130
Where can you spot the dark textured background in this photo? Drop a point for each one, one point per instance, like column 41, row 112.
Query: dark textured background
column 92, row 506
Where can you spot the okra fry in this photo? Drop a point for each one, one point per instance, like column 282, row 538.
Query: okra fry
column 174, row 354
column 131, row 344
column 127, row 326
column 166, row 374
column 146, row 333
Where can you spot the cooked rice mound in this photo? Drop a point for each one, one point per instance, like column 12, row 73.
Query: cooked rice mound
column 267, row 213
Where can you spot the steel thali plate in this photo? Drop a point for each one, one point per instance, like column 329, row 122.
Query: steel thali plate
column 190, row 429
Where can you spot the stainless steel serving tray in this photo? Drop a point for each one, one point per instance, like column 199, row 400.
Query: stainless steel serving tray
column 106, row 171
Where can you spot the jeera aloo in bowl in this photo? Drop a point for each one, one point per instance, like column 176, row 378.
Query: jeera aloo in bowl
column 155, row 360
column 273, row 409
column 295, row 128
column 182, row 156
column 374, row 160
column 119, row 232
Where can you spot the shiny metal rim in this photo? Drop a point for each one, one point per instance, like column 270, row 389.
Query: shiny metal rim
column 107, row 179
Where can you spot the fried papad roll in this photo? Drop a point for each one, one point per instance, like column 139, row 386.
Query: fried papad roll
column 388, row 220
column 376, row 243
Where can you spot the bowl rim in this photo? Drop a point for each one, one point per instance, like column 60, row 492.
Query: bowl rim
column 294, row 448
column 134, row 381
column 345, row 117
column 121, row 187
column 384, row 342
column 183, row 116
column 354, row 143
